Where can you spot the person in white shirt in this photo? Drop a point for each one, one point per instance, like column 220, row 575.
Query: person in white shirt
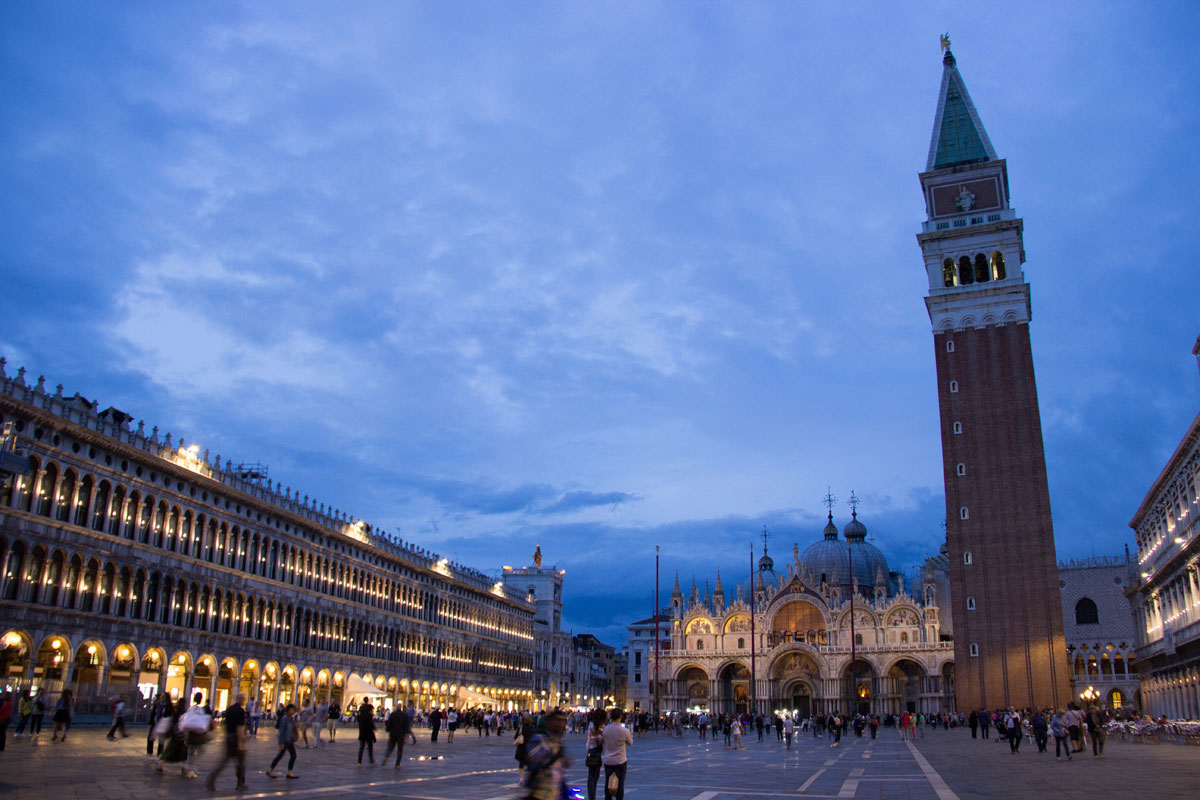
column 616, row 738
column 789, row 727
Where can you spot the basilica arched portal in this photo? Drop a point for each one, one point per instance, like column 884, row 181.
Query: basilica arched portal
column 796, row 681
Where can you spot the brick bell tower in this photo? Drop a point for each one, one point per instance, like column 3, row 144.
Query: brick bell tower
column 1009, row 647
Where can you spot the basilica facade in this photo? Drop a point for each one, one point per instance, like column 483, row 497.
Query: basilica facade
column 833, row 631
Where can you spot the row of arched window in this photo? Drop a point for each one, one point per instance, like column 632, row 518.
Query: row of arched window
column 67, row 581
column 111, row 508
column 967, row 271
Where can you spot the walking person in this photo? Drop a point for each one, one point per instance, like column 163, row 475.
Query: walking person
column 451, row 724
column 174, row 749
column 304, row 721
column 39, row 713
column 1040, row 726
column 64, row 709
column 735, row 728
column 616, row 762
column 789, row 727
column 320, row 714
column 118, row 723
column 985, row 724
column 158, row 711
column 288, row 734
column 835, row 723
column 195, row 724
column 1012, row 725
column 366, row 731
column 1058, row 729
column 546, row 760
column 524, row 734
column 398, row 728
column 412, row 723
column 253, row 713
column 234, row 745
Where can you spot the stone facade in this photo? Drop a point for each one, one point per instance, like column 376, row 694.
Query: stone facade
column 790, row 646
column 132, row 564
column 1099, row 627
column 1166, row 595
column 1009, row 643
column 555, row 679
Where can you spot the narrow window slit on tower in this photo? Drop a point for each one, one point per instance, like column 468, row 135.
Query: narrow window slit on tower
column 953, row 387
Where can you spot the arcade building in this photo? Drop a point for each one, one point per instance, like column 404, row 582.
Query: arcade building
column 131, row 564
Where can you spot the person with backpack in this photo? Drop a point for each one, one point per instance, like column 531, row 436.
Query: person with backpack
column 398, row 727
column 546, row 759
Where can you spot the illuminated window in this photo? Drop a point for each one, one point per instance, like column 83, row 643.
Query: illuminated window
column 964, row 513
column 949, row 345
column 967, row 558
column 953, row 387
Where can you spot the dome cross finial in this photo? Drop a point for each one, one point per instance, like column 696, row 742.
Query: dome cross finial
column 829, row 500
column 853, row 503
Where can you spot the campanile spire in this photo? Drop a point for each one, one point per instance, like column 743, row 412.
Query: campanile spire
column 1009, row 647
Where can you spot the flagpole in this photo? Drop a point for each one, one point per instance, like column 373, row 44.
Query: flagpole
column 656, row 638
column 752, row 631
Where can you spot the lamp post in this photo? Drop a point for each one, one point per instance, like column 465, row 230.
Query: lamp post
column 1089, row 696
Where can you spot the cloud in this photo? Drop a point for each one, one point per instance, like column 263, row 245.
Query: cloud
column 575, row 501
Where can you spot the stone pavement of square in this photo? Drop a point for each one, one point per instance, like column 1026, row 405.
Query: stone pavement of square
column 940, row 766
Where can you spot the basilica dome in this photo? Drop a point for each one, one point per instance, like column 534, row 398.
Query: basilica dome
column 830, row 557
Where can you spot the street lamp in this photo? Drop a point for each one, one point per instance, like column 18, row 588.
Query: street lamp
column 1089, row 695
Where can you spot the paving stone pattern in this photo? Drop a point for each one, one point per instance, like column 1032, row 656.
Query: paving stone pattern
column 941, row 766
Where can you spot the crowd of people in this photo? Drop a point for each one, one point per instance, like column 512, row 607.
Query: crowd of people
column 179, row 732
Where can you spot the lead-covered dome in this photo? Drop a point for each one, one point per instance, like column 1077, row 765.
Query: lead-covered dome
column 828, row 560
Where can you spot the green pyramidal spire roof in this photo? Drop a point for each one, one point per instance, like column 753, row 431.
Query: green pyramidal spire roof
column 958, row 134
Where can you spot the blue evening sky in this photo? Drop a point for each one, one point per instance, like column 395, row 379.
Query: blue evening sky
column 599, row 275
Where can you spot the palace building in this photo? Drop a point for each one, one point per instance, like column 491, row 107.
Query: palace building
column 137, row 564
column 1166, row 591
column 1008, row 640
column 834, row 631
